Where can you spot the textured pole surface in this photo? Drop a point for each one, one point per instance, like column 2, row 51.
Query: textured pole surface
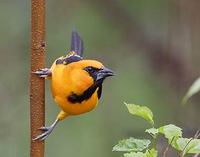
column 37, row 86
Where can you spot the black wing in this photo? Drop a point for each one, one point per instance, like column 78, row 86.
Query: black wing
column 76, row 43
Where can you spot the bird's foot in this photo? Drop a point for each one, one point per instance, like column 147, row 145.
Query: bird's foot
column 46, row 132
column 43, row 73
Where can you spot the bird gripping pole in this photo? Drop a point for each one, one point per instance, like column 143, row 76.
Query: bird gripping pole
column 37, row 86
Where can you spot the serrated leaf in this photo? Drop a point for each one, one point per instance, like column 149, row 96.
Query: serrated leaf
column 194, row 88
column 188, row 145
column 170, row 131
column 141, row 111
column 132, row 144
column 152, row 131
column 148, row 153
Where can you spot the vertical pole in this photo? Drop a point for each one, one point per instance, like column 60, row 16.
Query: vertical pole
column 37, row 86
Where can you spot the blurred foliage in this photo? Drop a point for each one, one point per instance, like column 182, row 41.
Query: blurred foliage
column 194, row 89
column 94, row 133
column 172, row 133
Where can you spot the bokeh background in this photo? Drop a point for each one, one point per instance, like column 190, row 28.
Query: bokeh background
column 153, row 46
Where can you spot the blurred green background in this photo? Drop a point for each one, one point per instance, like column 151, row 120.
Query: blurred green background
column 153, row 47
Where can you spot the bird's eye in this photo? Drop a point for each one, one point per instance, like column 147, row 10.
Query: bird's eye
column 90, row 69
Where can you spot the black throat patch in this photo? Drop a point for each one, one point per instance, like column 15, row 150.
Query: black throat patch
column 74, row 98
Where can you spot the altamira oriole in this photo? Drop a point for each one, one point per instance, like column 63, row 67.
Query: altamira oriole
column 76, row 83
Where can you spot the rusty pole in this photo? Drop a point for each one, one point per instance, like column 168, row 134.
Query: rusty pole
column 37, row 86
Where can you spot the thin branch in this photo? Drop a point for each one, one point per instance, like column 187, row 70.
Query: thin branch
column 197, row 134
column 167, row 148
column 182, row 153
column 37, row 90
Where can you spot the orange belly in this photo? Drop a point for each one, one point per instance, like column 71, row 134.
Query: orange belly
column 77, row 108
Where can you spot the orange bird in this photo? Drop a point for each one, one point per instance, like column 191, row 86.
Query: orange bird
column 76, row 83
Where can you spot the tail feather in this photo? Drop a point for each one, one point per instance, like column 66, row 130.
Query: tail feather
column 76, row 43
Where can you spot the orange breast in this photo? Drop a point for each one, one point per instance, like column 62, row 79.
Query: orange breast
column 64, row 81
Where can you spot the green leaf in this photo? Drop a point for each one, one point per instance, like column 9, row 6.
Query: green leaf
column 188, row 145
column 132, row 144
column 148, row 153
column 133, row 154
column 194, row 88
column 152, row 131
column 141, row 111
column 151, row 153
column 170, row 131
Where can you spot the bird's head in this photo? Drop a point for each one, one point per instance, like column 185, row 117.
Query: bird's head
column 86, row 76
column 91, row 70
column 96, row 70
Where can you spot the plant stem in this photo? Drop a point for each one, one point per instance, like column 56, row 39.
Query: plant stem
column 154, row 141
column 167, row 148
column 37, row 86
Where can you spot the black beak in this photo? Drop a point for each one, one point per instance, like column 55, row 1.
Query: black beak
column 104, row 72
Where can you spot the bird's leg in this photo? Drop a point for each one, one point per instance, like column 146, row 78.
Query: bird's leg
column 44, row 73
column 46, row 131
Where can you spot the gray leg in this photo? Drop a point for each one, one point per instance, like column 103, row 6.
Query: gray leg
column 46, row 131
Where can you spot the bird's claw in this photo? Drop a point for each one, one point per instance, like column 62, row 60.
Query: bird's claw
column 43, row 72
column 46, row 132
column 44, row 128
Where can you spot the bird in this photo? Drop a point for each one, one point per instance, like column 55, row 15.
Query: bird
column 76, row 83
